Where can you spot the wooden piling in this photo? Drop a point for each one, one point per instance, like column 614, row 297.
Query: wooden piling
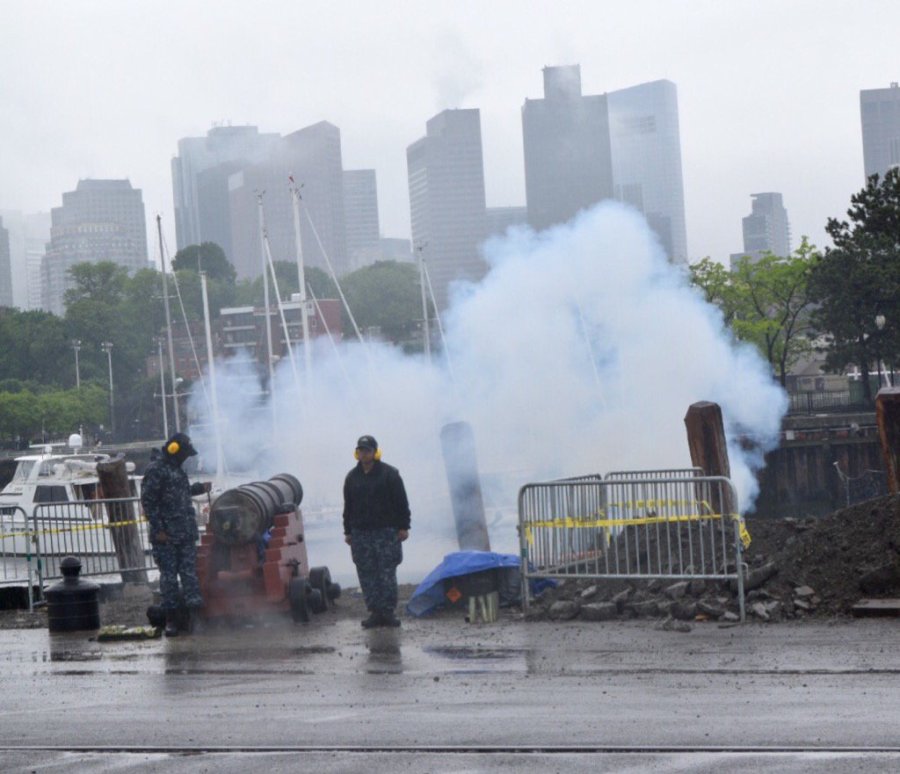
column 887, row 415
column 122, row 517
column 709, row 450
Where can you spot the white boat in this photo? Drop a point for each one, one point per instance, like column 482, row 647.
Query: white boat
column 61, row 488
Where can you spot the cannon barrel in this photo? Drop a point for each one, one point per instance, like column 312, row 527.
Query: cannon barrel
column 242, row 514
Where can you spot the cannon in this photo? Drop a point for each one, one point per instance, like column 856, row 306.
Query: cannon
column 252, row 555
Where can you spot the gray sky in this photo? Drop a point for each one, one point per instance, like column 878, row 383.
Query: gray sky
column 768, row 90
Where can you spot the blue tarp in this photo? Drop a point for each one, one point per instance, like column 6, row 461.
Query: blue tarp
column 430, row 592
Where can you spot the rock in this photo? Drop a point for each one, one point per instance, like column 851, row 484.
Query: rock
column 683, row 610
column 802, row 605
column 620, row 599
column 759, row 610
column 710, row 609
column 803, row 591
column 563, row 610
column 648, row 609
column 676, row 590
column 697, row 587
column 759, row 575
column 731, row 617
column 590, row 591
column 775, row 609
column 599, row 611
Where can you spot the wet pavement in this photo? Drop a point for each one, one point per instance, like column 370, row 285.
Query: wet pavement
column 442, row 695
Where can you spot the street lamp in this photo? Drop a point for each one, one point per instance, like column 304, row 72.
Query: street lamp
column 107, row 346
column 76, row 345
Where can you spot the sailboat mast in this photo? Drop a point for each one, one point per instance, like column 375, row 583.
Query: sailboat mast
column 214, row 395
column 162, row 264
column 265, row 273
column 301, row 274
column 426, row 333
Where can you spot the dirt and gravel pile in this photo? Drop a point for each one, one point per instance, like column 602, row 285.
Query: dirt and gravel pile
column 797, row 568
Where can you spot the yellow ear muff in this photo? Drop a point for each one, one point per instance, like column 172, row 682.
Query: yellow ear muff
column 378, row 454
column 173, row 448
column 356, row 454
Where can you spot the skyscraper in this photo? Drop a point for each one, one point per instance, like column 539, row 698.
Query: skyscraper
column 880, row 114
column 312, row 157
column 28, row 237
column 101, row 220
column 766, row 228
column 361, row 216
column 200, row 174
column 623, row 145
column 645, row 143
column 6, row 289
column 567, row 149
column 445, row 169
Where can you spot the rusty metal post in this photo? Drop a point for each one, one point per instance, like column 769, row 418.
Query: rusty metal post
column 126, row 539
column 709, row 450
column 887, row 415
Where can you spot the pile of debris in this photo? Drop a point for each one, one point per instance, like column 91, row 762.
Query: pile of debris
column 797, row 568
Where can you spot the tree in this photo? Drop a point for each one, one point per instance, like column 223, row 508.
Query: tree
column 208, row 257
column 858, row 280
column 385, row 295
column 34, row 348
column 767, row 302
column 250, row 292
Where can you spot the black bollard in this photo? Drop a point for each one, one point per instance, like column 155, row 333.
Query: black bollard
column 73, row 604
column 458, row 446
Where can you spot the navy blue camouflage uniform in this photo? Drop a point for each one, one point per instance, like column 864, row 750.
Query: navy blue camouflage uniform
column 375, row 509
column 166, row 497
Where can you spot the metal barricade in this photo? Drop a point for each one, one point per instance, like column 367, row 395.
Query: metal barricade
column 632, row 528
column 17, row 550
column 617, row 475
column 109, row 537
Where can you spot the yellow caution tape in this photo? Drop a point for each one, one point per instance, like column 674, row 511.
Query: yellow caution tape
column 72, row 528
column 583, row 522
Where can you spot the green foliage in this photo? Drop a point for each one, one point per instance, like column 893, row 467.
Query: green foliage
column 221, row 293
column 34, row 347
column 766, row 302
column 56, row 413
column 385, row 295
column 859, row 279
column 208, row 257
column 251, row 292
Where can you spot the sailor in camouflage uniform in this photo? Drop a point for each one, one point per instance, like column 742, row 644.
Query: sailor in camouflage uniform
column 166, row 497
column 376, row 522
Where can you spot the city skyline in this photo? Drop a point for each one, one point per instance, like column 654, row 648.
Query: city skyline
column 774, row 108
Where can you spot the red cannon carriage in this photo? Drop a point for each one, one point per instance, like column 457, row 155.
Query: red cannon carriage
column 252, row 556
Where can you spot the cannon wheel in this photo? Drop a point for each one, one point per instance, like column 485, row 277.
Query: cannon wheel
column 320, row 578
column 298, row 594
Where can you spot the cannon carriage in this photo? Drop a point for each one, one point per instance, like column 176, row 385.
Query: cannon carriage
column 252, row 557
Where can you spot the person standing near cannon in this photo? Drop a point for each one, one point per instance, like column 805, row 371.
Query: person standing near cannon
column 376, row 522
column 166, row 498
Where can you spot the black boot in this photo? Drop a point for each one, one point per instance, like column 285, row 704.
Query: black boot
column 371, row 622
column 171, row 623
column 389, row 619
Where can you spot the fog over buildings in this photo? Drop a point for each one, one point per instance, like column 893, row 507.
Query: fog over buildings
column 766, row 229
column 750, row 119
column 101, row 220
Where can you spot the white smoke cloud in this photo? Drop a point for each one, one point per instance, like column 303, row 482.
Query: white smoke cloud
column 579, row 352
